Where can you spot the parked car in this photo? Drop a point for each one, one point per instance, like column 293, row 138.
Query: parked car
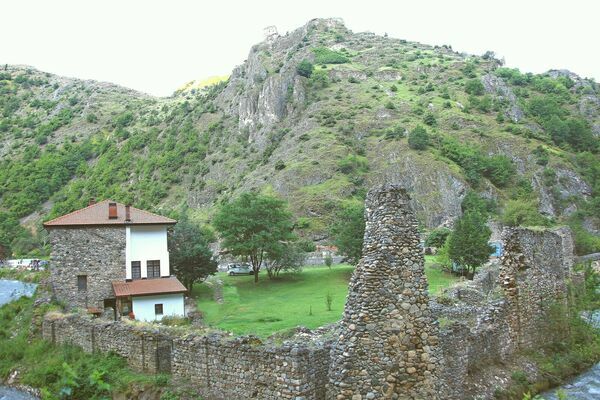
column 240, row 269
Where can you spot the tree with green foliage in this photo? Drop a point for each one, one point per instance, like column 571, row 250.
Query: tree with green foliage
column 191, row 258
column 305, row 68
column 437, row 237
column 418, row 138
column 348, row 231
column 253, row 226
column 289, row 256
column 468, row 244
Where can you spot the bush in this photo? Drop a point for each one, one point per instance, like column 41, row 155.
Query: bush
column 319, row 79
column 418, row 138
column 305, row 68
column 429, row 119
column 353, row 164
column 328, row 260
column 498, row 169
column 474, row 87
column 124, row 120
column 394, row 132
column 279, row 165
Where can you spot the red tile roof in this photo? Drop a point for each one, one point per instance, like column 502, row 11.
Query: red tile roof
column 143, row 287
column 97, row 214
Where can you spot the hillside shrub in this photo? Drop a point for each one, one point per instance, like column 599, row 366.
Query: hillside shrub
column 418, row 139
column 474, row 202
column 305, row 68
column 352, row 164
column 523, row 213
column 124, row 119
column 394, row 132
column 499, row 169
column 429, row 119
column 474, row 87
column 319, row 79
column 323, row 55
column 279, row 165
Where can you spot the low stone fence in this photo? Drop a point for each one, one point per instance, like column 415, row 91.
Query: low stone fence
column 221, row 367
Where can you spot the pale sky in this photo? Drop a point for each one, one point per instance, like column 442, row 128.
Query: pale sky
column 156, row 46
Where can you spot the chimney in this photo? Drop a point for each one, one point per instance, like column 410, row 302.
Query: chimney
column 92, row 201
column 128, row 213
column 112, row 210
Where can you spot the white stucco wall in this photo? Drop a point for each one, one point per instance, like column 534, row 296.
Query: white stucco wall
column 145, row 243
column 143, row 306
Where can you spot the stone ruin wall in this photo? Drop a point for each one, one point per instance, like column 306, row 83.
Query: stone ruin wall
column 388, row 344
column 220, row 367
column 487, row 326
column 534, row 275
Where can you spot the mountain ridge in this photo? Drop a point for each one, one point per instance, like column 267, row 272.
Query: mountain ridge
column 318, row 139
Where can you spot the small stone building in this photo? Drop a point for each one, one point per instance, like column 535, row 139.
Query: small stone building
column 114, row 256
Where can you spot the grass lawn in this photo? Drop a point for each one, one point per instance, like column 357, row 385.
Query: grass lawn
column 291, row 300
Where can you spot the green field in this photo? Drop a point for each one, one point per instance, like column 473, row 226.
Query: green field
column 286, row 302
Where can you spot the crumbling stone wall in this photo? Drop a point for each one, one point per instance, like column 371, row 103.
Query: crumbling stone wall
column 534, row 275
column 220, row 367
column 387, row 347
column 481, row 334
column 98, row 252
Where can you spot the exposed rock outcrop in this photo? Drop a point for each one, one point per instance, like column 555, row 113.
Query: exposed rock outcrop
column 496, row 86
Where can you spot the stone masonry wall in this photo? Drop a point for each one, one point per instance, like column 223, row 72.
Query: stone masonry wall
column 534, row 275
column 387, row 347
column 481, row 334
column 98, row 252
column 220, row 367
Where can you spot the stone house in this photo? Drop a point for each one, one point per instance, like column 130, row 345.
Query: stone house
column 111, row 256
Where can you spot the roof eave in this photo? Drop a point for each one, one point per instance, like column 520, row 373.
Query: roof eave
column 46, row 225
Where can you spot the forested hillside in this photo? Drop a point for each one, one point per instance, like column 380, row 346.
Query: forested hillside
column 317, row 115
